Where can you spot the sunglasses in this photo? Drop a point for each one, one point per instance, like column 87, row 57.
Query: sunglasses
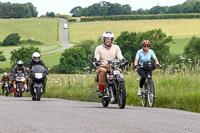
column 108, row 38
column 145, row 46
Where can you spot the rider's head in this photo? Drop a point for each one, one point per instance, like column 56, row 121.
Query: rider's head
column 5, row 74
column 146, row 44
column 108, row 38
column 36, row 56
column 20, row 63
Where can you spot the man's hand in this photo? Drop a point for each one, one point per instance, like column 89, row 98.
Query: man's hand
column 97, row 63
column 125, row 61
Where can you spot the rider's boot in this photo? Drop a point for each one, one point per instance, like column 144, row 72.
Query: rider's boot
column 101, row 91
column 139, row 91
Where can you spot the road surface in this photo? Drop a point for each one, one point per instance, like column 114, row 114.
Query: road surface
column 22, row 115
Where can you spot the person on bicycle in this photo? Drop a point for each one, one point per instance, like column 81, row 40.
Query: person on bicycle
column 142, row 56
column 5, row 78
column 104, row 52
column 36, row 61
column 18, row 68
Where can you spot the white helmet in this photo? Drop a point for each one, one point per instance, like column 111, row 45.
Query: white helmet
column 35, row 55
column 20, row 63
column 5, row 73
column 108, row 34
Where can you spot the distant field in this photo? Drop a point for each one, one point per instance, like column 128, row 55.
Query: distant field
column 39, row 29
column 52, row 59
column 181, row 28
column 178, row 28
column 177, row 46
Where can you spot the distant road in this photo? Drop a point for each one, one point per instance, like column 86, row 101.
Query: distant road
column 64, row 38
column 22, row 115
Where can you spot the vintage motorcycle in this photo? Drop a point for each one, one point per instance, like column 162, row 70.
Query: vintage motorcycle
column 115, row 85
column 37, row 80
column 19, row 84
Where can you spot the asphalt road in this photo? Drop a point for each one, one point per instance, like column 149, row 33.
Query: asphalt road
column 22, row 115
column 64, row 38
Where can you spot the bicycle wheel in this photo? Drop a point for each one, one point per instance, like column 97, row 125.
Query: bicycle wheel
column 151, row 93
column 143, row 97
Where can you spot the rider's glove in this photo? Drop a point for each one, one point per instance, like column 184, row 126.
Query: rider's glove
column 157, row 65
column 97, row 63
column 125, row 61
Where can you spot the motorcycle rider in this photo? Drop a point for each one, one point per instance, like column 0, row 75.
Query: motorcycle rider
column 36, row 61
column 104, row 52
column 142, row 56
column 18, row 68
column 6, row 78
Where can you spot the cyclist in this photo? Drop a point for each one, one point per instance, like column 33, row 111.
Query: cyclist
column 104, row 52
column 142, row 56
column 5, row 78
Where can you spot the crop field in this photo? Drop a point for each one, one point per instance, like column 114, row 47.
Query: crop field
column 180, row 29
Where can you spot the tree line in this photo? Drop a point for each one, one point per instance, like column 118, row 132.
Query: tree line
column 106, row 9
column 16, row 10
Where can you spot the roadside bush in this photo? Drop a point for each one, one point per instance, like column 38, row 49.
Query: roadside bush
column 11, row 40
column 23, row 53
column 192, row 49
column 73, row 60
column 2, row 57
column 143, row 17
column 31, row 42
column 72, row 20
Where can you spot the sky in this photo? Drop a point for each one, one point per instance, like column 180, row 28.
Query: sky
column 64, row 6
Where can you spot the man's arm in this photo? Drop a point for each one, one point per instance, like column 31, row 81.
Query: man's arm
column 119, row 53
column 42, row 63
column 29, row 64
column 97, row 54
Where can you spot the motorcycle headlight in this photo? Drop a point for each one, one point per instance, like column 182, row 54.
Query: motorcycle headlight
column 38, row 75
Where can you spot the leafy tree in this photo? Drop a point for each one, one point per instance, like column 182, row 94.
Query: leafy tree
column 192, row 49
column 11, row 40
column 158, row 10
column 50, row 14
column 23, row 53
column 73, row 60
column 142, row 11
column 130, row 43
column 2, row 57
column 16, row 10
column 75, row 11
column 174, row 9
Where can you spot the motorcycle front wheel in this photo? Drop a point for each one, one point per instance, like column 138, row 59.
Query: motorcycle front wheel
column 121, row 95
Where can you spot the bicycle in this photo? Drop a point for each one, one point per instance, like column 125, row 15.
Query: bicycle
column 149, row 92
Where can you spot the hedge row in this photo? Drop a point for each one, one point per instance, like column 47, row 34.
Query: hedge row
column 142, row 17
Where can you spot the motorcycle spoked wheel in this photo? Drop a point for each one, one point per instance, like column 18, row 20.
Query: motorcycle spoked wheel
column 121, row 95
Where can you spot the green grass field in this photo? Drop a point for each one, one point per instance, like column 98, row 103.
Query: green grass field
column 52, row 59
column 180, row 29
column 39, row 29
